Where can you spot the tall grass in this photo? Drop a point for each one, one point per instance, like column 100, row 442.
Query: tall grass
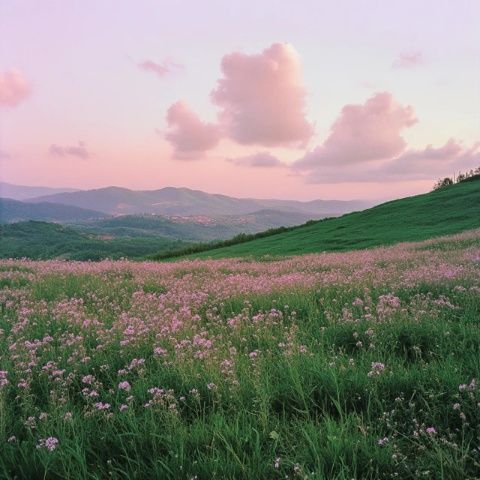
column 336, row 366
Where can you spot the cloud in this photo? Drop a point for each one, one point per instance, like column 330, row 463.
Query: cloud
column 260, row 159
column 431, row 162
column 408, row 60
column 262, row 98
column 414, row 164
column 363, row 133
column 160, row 69
column 79, row 151
column 13, row 88
column 190, row 137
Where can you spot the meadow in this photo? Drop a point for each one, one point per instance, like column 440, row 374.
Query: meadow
column 353, row 365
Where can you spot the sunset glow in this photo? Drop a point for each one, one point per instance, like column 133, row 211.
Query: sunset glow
column 309, row 100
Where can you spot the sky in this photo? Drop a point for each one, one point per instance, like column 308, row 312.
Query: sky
column 343, row 99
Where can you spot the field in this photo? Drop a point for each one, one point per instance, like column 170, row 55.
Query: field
column 355, row 365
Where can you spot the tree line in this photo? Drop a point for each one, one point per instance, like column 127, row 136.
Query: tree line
column 461, row 177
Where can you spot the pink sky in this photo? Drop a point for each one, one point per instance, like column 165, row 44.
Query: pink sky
column 301, row 100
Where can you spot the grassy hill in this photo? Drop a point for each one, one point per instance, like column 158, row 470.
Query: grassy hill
column 191, row 229
column 441, row 212
column 41, row 240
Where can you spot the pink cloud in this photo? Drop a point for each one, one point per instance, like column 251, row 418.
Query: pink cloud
column 13, row 88
column 424, row 164
column 79, row 151
column 408, row 60
column 190, row 137
column 262, row 97
column 260, row 159
column 445, row 160
column 363, row 133
column 161, row 69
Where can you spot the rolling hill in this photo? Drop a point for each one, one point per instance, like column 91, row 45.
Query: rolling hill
column 41, row 241
column 185, row 202
column 193, row 228
column 15, row 211
column 441, row 212
column 197, row 228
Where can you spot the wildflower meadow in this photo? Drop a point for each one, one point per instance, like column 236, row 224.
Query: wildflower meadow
column 356, row 365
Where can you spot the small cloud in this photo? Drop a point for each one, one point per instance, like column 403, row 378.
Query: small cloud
column 408, row 60
column 260, row 159
column 13, row 88
column 79, row 151
column 160, row 69
column 190, row 137
column 367, row 84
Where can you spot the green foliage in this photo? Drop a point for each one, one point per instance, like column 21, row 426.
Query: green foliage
column 40, row 240
column 443, row 183
column 446, row 182
column 237, row 239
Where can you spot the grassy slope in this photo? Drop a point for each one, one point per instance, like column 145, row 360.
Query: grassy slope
column 442, row 212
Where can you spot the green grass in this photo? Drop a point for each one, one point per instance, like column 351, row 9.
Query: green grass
column 306, row 407
column 442, row 212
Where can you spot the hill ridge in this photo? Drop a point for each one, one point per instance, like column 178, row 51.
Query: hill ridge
column 450, row 210
column 185, row 201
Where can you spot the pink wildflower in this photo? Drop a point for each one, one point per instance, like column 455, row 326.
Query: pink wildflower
column 49, row 443
column 124, row 386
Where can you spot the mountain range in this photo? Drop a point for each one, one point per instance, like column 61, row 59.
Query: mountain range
column 184, row 202
column 115, row 222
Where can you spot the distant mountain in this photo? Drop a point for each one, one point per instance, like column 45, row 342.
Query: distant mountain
column 15, row 211
column 22, row 192
column 193, row 228
column 185, row 202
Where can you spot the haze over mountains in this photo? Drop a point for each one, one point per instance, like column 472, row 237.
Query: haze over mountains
column 12, row 211
column 114, row 222
column 185, row 202
column 23, row 192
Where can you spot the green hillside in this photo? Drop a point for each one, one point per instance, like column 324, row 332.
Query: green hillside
column 190, row 229
column 41, row 240
column 441, row 212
